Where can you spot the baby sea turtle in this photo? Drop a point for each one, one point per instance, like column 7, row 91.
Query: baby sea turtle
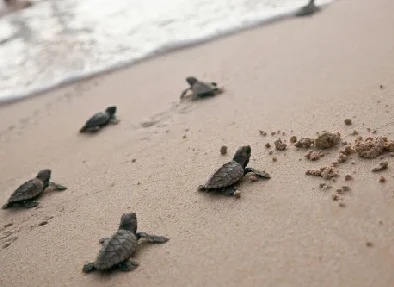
column 309, row 9
column 99, row 120
column 31, row 189
column 117, row 250
column 200, row 89
column 230, row 173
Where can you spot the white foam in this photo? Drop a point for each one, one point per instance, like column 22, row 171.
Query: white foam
column 58, row 42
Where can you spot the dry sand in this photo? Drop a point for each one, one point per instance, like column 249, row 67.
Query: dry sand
column 305, row 75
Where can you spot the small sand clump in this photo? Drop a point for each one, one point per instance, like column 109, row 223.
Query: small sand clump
column 223, row 150
column 274, row 159
column 381, row 166
column 268, row 145
column 341, row 204
column 279, row 145
column 293, row 139
column 348, row 122
column 237, row 194
column 370, row 148
column 347, row 150
column 326, row 140
column 253, row 178
column 314, row 155
column 273, row 133
column 329, row 172
column 348, row 177
column 263, row 133
column 382, row 179
column 304, row 142
column 354, row 133
column 342, row 157
column 313, row 172
column 325, row 186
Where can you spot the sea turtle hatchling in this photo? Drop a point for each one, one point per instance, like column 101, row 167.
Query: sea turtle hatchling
column 224, row 178
column 31, row 189
column 308, row 10
column 100, row 120
column 200, row 89
column 117, row 250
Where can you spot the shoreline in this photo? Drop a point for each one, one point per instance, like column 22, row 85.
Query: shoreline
column 296, row 76
column 159, row 52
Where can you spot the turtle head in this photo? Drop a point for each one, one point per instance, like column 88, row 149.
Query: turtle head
column 110, row 110
column 191, row 80
column 128, row 222
column 44, row 175
column 242, row 155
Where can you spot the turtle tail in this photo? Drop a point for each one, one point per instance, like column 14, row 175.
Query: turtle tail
column 5, row 206
column 83, row 129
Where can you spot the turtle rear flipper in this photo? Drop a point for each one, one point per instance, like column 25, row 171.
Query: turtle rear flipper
column 86, row 129
column 88, row 267
column 128, row 266
column 7, row 205
column 104, row 240
column 152, row 238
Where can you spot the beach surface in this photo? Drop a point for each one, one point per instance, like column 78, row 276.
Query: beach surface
column 298, row 76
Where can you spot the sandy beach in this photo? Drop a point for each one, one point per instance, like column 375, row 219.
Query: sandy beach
column 299, row 76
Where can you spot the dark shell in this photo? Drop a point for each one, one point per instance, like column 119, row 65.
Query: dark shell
column 203, row 88
column 225, row 176
column 117, row 249
column 27, row 191
column 98, row 119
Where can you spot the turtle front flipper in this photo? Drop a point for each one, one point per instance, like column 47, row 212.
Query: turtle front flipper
column 152, row 238
column 30, row 204
column 128, row 266
column 87, row 268
column 228, row 190
column 56, row 186
column 184, row 93
column 114, row 120
column 257, row 172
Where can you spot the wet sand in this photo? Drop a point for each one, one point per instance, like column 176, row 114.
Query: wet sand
column 304, row 75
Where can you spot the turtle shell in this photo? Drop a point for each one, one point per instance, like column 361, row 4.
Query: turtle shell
column 201, row 89
column 117, row 249
column 98, row 120
column 225, row 176
column 27, row 191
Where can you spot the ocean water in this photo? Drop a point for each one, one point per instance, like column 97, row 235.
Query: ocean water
column 58, row 41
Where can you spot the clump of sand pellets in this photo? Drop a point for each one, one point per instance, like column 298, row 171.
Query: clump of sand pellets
column 327, row 172
column 279, row 145
column 326, row 140
column 370, row 147
column 323, row 140
column 314, row 155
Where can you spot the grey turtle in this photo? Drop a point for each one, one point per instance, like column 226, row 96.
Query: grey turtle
column 31, row 189
column 201, row 89
column 230, row 173
column 100, row 120
column 117, row 250
column 308, row 10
